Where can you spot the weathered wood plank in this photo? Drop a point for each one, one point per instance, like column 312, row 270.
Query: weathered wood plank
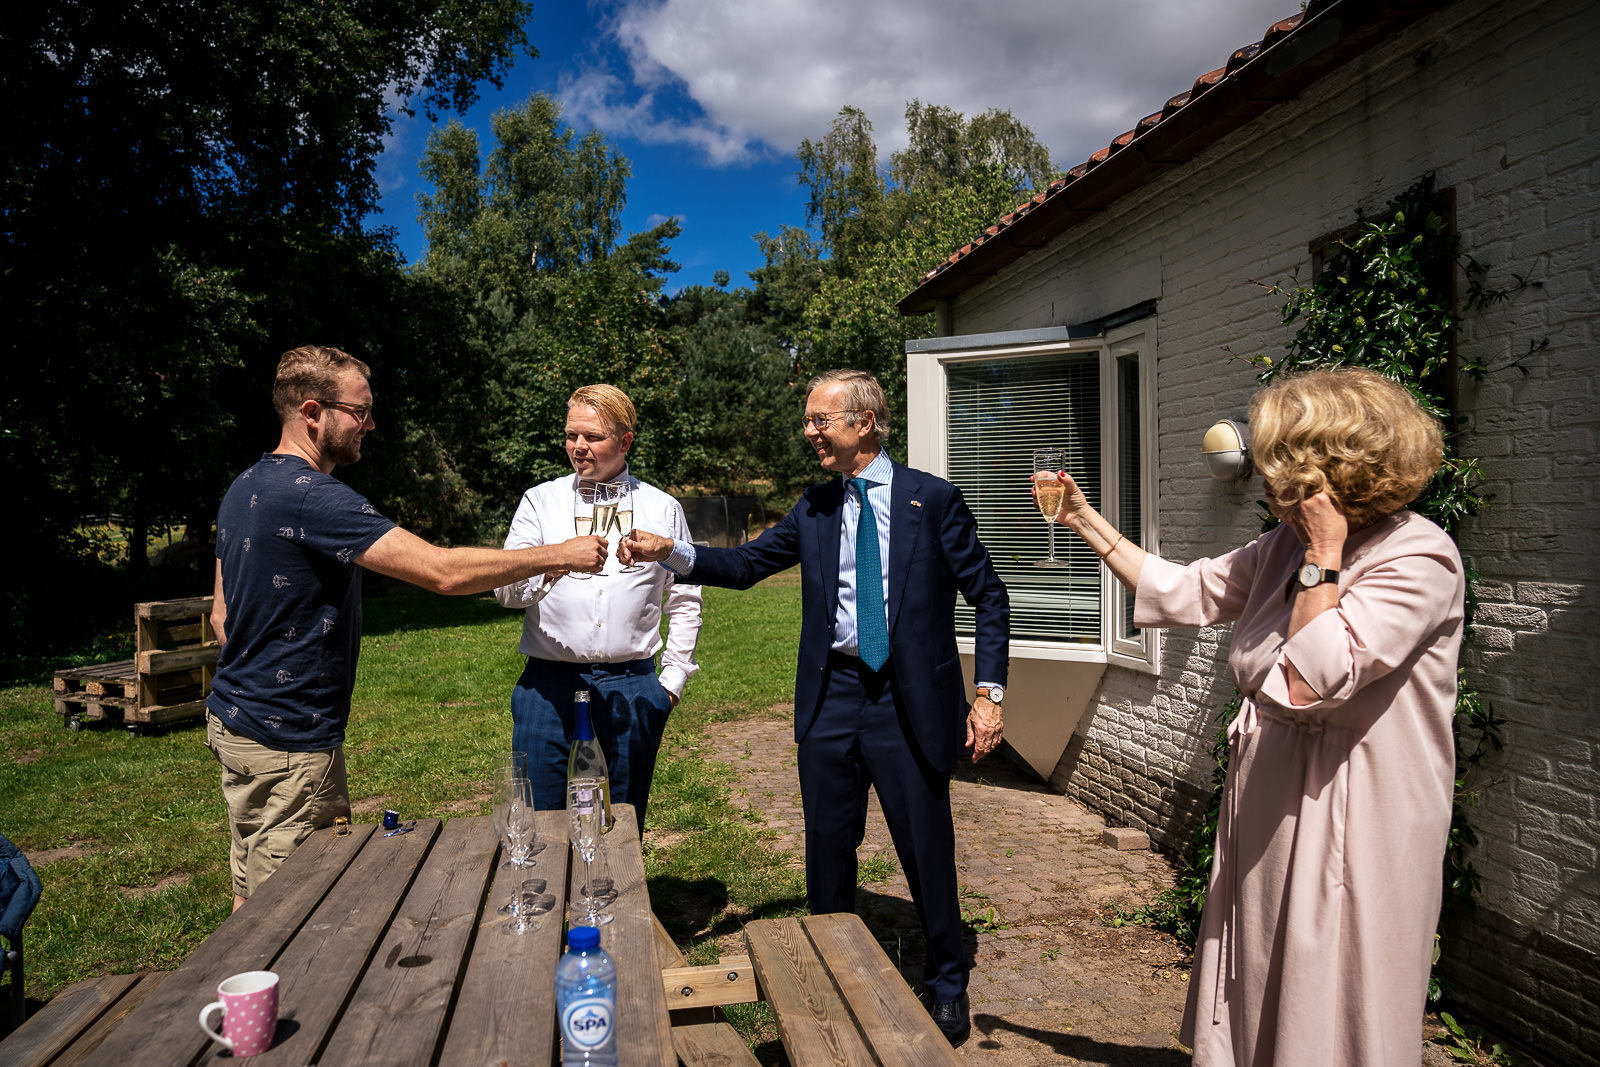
column 713, row 1044
column 400, row 1008
column 249, row 940
column 645, row 1035
column 173, row 609
column 894, row 1023
column 123, row 671
column 162, row 661
column 86, row 1048
column 728, row 981
column 813, row 1022
column 163, row 713
column 506, row 1005
column 59, row 1023
column 334, row 949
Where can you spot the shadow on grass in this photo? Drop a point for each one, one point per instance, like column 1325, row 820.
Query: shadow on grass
column 695, row 909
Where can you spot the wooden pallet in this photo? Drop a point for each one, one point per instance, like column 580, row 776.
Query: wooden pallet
column 166, row 681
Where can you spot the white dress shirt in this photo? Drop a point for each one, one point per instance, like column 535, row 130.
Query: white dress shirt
column 612, row 617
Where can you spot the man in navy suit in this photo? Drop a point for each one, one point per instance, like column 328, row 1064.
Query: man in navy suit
column 879, row 696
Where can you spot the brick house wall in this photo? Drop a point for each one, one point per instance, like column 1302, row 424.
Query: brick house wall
column 1499, row 100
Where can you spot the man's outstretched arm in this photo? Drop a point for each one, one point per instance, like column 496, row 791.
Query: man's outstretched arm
column 459, row 571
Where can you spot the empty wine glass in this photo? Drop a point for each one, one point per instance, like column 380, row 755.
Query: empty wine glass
column 528, row 901
column 585, row 814
column 513, row 817
column 1048, row 493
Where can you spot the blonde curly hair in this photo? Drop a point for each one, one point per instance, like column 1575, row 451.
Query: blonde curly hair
column 1349, row 432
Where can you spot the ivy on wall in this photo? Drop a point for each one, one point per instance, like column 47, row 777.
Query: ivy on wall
column 1383, row 300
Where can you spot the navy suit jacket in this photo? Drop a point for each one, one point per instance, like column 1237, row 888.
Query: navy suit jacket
column 934, row 553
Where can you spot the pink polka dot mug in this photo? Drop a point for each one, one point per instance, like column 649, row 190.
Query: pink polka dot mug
column 249, row 1004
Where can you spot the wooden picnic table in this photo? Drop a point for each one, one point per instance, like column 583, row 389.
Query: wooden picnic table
column 391, row 951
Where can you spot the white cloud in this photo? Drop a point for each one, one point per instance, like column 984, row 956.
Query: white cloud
column 741, row 78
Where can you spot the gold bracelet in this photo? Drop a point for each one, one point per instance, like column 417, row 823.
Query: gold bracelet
column 1112, row 549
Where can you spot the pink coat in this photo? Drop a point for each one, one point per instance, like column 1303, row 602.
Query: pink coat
column 1317, row 935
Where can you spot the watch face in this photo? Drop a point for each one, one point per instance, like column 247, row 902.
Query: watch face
column 1310, row 575
column 997, row 693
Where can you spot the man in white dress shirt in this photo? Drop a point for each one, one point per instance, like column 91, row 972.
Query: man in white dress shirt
column 599, row 632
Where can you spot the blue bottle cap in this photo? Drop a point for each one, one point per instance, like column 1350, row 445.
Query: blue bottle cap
column 583, row 938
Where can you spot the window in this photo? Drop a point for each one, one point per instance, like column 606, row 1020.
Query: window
column 980, row 406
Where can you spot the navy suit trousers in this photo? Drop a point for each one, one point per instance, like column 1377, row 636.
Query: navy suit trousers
column 861, row 738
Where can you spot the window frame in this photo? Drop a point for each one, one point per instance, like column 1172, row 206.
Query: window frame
column 928, row 402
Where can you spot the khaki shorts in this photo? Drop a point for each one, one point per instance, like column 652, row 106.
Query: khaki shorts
column 275, row 799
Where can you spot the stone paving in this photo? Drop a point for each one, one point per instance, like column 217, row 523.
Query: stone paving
column 1051, row 983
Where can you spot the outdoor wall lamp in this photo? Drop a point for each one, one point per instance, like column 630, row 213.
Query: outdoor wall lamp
column 1226, row 451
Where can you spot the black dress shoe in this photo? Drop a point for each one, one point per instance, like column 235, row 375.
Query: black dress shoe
column 954, row 1020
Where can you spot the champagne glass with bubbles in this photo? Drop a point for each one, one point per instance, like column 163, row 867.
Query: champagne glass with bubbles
column 1049, row 492
column 582, row 518
column 605, row 508
column 623, row 491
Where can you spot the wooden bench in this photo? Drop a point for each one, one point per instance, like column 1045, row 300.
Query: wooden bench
column 166, row 681
column 701, row 1036
column 67, row 1031
column 837, row 996
column 838, row 999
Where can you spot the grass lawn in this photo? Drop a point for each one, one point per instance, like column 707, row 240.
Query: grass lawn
column 128, row 834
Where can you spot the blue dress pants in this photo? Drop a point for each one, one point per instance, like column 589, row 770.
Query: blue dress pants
column 627, row 706
column 860, row 738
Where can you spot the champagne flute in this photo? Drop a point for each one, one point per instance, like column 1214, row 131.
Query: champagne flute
column 605, row 508
column 507, row 765
column 582, row 519
column 1049, row 492
column 584, row 817
column 624, row 494
column 515, row 821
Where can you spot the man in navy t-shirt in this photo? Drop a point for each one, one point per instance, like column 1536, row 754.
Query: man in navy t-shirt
column 291, row 543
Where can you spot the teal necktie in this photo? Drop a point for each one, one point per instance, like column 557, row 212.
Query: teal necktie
column 872, row 626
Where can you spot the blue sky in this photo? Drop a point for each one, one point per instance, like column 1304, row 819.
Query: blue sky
column 708, row 99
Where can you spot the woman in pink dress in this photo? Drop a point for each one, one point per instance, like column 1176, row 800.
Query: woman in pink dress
column 1317, row 934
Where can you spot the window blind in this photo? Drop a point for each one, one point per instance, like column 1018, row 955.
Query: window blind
column 998, row 413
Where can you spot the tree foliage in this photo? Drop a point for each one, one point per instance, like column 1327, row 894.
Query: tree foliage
column 183, row 190
column 527, row 240
column 545, row 202
column 878, row 232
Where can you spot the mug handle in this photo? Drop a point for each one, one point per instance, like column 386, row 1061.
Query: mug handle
column 218, row 1005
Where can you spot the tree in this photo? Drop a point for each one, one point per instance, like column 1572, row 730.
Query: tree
column 945, row 147
column 878, row 236
column 528, row 241
column 545, row 202
column 182, row 196
column 847, row 190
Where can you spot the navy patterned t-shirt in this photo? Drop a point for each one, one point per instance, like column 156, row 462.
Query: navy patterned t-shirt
column 287, row 537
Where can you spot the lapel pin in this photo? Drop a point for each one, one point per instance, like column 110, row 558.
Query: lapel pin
column 916, row 503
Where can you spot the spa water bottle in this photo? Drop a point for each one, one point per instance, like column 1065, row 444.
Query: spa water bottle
column 586, row 1001
column 586, row 760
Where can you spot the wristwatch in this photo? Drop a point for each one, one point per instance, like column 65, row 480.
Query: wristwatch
column 1311, row 575
column 994, row 693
